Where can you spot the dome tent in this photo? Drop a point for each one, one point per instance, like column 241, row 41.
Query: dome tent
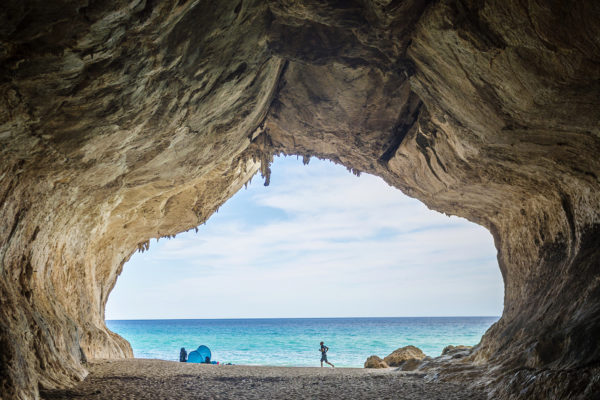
column 199, row 355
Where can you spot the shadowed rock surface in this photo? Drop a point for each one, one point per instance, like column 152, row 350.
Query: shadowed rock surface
column 456, row 350
column 123, row 121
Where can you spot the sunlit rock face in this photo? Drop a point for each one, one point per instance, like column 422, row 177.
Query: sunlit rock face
column 123, row 121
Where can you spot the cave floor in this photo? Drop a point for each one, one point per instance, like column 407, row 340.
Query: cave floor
column 156, row 379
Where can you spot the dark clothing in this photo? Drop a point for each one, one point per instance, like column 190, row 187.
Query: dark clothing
column 183, row 355
column 324, row 350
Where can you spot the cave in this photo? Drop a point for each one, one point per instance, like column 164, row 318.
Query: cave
column 123, row 121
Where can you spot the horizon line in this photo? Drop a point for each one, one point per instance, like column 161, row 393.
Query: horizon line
column 257, row 318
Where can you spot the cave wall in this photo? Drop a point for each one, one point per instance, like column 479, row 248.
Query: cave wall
column 123, row 121
column 528, row 92
column 495, row 122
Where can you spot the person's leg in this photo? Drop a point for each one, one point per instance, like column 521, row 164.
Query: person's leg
column 330, row 364
column 321, row 363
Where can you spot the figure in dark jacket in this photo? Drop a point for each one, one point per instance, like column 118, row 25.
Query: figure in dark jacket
column 324, row 350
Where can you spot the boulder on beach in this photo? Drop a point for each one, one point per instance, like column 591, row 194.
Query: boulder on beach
column 398, row 357
column 375, row 362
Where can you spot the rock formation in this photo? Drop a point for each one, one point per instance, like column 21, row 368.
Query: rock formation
column 407, row 358
column 403, row 355
column 121, row 121
column 457, row 351
column 375, row 362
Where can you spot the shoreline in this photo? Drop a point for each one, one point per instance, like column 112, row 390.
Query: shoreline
column 138, row 378
column 294, row 342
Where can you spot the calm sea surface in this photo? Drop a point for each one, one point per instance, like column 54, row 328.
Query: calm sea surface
column 295, row 342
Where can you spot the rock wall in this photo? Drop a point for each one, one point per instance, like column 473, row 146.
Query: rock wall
column 122, row 121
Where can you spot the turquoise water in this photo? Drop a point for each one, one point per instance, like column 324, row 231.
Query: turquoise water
column 295, row 342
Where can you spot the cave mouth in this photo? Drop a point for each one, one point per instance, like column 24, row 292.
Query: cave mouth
column 318, row 242
column 132, row 120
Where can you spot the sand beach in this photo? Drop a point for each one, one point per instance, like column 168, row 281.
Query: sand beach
column 157, row 379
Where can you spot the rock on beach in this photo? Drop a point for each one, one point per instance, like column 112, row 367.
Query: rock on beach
column 375, row 362
column 403, row 355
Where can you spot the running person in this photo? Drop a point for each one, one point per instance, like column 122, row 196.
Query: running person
column 324, row 350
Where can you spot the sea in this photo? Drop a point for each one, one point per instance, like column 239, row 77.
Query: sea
column 295, row 342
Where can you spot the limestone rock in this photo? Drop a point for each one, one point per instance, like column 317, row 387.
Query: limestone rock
column 375, row 362
column 459, row 350
column 124, row 121
column 404, row 354
column 410, row 364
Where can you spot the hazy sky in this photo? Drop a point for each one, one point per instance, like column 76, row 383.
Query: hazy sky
column 317, row 242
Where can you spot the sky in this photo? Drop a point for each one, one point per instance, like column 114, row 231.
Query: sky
column 317, row 242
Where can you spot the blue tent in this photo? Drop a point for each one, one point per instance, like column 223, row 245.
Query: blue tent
column 199, row 355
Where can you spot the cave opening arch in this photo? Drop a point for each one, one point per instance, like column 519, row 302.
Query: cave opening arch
column 318, row 242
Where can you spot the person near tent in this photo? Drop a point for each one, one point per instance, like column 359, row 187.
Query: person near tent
column 201, row 355
column 182, row 355
column 324, row 350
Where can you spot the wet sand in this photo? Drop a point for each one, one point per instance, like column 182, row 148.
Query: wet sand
column 156, row 379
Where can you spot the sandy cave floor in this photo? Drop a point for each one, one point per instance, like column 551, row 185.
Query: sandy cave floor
column 156, row 379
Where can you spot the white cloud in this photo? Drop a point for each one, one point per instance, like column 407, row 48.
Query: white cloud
column 355, row 244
